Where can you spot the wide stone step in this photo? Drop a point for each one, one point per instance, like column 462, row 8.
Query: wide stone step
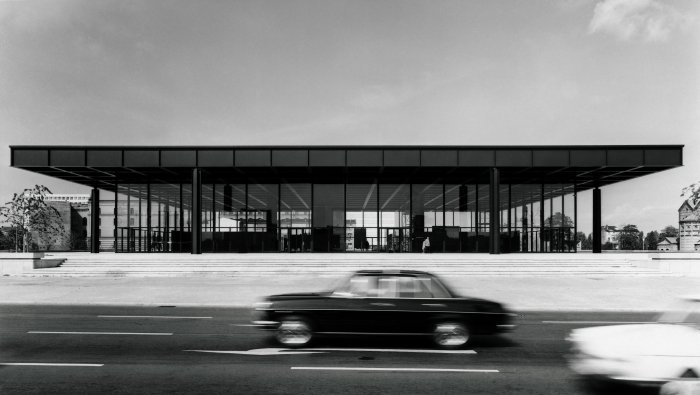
column 255, row 264
column 340, row 264
column 71, row 261
column 336, row 274
column 341, row 267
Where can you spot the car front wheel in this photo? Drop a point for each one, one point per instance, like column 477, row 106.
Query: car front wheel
column 450, row 335
column 294, row 332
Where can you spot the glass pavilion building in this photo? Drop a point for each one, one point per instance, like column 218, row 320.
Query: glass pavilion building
column 488, row 199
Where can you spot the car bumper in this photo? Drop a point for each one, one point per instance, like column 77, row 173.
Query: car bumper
column 265, row 325
column 610, row 371
column 505, row 328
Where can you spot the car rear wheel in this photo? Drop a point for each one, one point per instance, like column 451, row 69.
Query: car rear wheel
column 450, row 335
column 294, row 332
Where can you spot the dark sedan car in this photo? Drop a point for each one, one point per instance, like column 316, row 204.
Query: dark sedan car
column 376, row 302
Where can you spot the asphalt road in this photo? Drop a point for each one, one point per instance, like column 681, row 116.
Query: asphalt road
column 118, row 349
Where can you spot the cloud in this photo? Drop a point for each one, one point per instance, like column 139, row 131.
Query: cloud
column 646, row 20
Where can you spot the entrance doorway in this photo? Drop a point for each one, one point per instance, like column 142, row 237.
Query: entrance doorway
column 295, row 239
column 394, row 240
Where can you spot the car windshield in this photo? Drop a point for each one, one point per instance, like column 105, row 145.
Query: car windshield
column 391, row 286
column 685, row 311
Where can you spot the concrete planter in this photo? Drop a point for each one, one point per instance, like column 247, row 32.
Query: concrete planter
column 18, row 263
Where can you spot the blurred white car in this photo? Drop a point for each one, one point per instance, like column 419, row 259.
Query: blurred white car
column 681, row 387
column 653, row 353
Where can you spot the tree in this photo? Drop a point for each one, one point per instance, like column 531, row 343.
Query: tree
column 28, row 212
column 558, row 219
column 651, row 241
column 580, row 238
column 559, row 232
column 692, row 192
column 629, row 238
column 670, row 231
column 9, row 238
column 5, row 243
column 584, row 242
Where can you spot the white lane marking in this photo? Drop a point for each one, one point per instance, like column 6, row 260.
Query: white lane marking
column 395, row 369
column 597, row 322
column 292, row 351
column 102, row 333
column 260, row 351
column 172, row 317
column 395, row 350
column 51, row 364
column 246, row 325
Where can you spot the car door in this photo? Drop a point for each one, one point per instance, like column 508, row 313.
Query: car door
column 422, row 303
column 346, row 309
column 383, row 311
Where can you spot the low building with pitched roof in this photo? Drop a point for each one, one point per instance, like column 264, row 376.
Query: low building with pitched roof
column 667, row 244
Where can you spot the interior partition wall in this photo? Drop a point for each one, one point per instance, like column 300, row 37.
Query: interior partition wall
column 348, row 217
column 328, row 218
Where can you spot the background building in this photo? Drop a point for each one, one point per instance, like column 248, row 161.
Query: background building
column 76, row 214
column 609, row 236
column 74, row 210
column 668, row 244
column 689, row 226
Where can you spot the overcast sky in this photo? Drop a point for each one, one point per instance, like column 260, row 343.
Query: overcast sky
column 384, row 72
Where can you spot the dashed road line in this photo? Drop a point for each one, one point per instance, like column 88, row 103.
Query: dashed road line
column 103, row 333
column 438, row 370
column 400, row 350
column 290, row 351
column 171, row 317
column 597, row 322
column 76, row 365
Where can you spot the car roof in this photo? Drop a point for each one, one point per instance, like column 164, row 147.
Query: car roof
column 393, row 272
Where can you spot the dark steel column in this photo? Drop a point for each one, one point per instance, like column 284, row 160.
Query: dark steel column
column 542, row 230
column 596, row 221
column 196, row 211
column 95, row 221
column 576, row 218
column 494, row 211
column 149, row 239
column 115, row 224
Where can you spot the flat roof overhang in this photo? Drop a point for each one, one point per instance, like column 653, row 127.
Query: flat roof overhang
column 107, row 166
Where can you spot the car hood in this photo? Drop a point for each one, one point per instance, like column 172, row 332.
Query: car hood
column 620, row 341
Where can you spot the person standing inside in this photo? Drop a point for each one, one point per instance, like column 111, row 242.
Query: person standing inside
column 426, row 245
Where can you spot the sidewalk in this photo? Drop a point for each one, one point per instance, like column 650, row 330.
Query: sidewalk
column 546, row 293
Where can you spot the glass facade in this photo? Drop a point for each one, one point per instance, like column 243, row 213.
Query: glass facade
column 353, row 217
column 153, row 218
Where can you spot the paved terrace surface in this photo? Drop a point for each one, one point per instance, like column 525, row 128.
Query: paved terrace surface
column 546, row 293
